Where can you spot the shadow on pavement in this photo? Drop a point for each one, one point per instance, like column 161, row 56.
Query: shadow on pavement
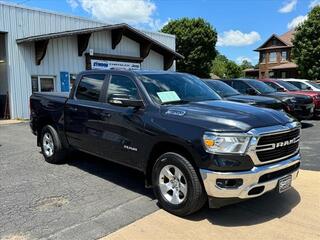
column 251, row 212
column 125, row 177
column 305, row 125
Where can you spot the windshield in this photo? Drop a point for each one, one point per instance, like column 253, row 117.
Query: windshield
column 176, row 88
column 288, row 86
column 317, row 86
column 223, row 89
column 261, row 87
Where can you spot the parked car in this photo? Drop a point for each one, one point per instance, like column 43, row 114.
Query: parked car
column 192, row 146
column 282, row 86
column 230, row 94
column 303, row 84
column 301, row 107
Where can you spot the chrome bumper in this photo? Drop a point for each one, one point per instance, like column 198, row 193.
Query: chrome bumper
column 250, row 179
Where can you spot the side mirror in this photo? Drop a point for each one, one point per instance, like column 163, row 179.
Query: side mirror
column 124, row 101
column 309, row 88
column 251, row 91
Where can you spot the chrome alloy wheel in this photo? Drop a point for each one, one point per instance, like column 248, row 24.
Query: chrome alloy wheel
column 173, row 184
column 48, row 145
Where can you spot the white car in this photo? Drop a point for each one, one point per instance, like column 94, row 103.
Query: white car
column 304, row 84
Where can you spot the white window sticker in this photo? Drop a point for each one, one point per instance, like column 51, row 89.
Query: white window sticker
column 168, row 96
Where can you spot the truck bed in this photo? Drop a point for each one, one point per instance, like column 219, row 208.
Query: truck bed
column 49, row 105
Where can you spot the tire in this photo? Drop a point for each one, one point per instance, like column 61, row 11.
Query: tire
column 51, row 146
column 182, row 196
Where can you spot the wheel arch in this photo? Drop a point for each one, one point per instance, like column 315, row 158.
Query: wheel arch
column 167, row 146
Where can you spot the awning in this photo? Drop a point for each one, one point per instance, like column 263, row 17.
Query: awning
column 284, row 66
column 117, row 31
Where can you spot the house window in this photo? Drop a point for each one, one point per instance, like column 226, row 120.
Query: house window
column 263, row 58
column 271, row 74
column 284, row 56
column 274, row 42
column 272, row 57
column 283, row 74
column 43, row 83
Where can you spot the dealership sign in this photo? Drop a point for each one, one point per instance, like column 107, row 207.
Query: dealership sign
column 105, row 65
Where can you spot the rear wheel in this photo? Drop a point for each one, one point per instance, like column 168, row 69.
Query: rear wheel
column 51, row 145
column 177, row 185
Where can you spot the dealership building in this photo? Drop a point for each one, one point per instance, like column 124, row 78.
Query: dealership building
column 43, row 51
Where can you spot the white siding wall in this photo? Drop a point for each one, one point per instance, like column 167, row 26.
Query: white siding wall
column 61, row 55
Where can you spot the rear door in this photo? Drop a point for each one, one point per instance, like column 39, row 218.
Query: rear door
column 84, row 114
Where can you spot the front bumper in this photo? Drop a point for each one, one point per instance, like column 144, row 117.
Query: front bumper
column 303, row 112
column 263, row 177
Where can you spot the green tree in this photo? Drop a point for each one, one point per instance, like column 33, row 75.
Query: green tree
column 225, row 68
column 219, row 66
column 196, row 40
column 246, row 64
column 306, row 50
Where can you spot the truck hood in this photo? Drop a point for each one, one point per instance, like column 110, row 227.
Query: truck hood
column 225, row 116
column 283, row 96
column 252, row 99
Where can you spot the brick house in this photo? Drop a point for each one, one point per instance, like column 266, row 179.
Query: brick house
column 275, row 57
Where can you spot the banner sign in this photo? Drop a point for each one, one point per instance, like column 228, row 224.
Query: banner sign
column 105, row 65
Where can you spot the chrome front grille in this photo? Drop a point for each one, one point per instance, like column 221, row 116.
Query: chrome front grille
column 273, row 144
column 278, row 146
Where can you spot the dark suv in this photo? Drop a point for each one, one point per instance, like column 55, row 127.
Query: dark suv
column 228, row 93
column 301, row 107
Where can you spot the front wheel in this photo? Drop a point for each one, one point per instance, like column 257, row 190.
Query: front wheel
column 177, row 185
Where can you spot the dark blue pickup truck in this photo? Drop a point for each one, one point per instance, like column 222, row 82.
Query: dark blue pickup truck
column 192, row 146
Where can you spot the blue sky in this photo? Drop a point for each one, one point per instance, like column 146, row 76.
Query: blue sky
column 242, row 25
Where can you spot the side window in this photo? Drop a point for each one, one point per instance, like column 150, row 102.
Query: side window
column 123, row 86
column 304, row 86
column 297, row 84
column 271, row 84
column 241, row 87
column 90, row 87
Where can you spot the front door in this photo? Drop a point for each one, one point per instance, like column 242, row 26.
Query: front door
column 124, row 130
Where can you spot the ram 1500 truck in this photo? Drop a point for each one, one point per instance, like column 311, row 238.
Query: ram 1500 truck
column 192, row 146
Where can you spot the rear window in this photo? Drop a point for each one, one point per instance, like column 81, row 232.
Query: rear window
column 90, row 87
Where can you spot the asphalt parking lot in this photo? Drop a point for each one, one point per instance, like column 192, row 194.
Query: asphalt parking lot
column 89, row 198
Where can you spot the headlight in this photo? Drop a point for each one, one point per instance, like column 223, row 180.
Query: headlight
column 225, row 143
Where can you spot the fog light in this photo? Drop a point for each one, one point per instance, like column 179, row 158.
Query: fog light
column 229, row 183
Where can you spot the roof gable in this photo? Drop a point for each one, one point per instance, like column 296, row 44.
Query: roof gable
column 273, row 42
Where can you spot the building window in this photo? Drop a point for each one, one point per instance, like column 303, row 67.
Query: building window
column 271, row 74
column 274, row 41
column 43, row 83
column 283, row 74
column 284, row 56
column 272, row 57
column 263, row 58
